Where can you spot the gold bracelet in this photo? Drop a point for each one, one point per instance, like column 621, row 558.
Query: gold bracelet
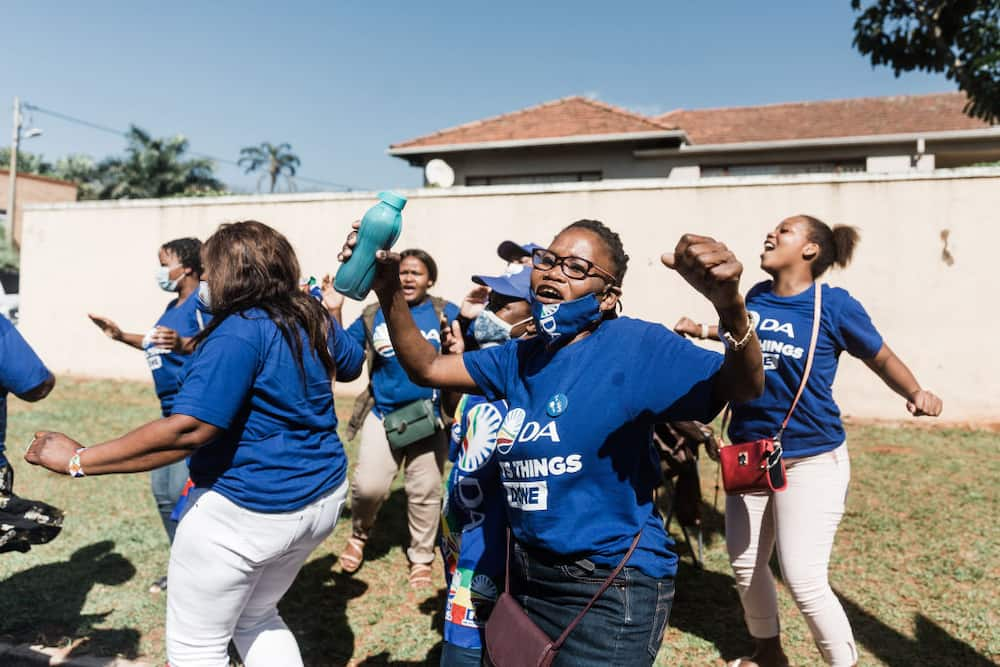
column 730, row 340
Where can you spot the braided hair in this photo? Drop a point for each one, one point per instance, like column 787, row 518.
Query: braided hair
column 611, row 241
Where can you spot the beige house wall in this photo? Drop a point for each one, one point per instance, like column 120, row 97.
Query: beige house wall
column 32, row 189
column 934, row 305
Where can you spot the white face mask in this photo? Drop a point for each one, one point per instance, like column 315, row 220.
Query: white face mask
column 163, row 278
column 489, row 330
column 204, row 296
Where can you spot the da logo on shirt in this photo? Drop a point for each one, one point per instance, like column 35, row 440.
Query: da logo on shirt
column 480, row 437
column 483, row 589
column 511, row 426
column 381, row 342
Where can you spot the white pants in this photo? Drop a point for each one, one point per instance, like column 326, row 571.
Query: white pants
column 802, row 520
column 229, row 567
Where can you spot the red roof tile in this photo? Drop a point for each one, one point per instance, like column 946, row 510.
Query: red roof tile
column 834, row 118
column 567, row 117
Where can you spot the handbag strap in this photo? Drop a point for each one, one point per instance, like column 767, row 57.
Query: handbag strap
column 579, row 617
column 607, row 582
column 817, row 316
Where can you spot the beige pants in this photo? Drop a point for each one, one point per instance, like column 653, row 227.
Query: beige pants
column 423, row 463
column 802, row 521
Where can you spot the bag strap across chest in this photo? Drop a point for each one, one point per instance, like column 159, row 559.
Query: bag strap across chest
column 557, row 644
column 814, row 338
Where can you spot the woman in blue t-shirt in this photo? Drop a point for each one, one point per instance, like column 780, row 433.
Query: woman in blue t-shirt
column 255, row 412
column 423, row 460
column 575, row 449
column 167, row 347
column 802, row 520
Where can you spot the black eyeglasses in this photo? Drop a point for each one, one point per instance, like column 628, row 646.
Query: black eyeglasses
column 576, row 268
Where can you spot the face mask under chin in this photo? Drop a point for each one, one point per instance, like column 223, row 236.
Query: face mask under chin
column 558, row 323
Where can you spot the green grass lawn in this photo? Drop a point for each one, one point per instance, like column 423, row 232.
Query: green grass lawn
column 916, row 559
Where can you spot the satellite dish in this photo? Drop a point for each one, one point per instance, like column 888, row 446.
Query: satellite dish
column 439, row 174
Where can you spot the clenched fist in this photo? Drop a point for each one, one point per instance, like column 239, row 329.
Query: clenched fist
column 708, row 266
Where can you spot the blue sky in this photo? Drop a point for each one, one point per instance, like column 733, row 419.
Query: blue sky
column 341, row 81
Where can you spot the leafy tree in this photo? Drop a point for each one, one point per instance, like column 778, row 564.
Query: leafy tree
column 27, row 163
column 960, row 38
column 274, row 161
column 82, row 170
column 153, row 168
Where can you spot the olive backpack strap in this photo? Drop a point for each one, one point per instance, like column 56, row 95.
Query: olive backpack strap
column 368, row 323
column 439, row 305
column 365, row 401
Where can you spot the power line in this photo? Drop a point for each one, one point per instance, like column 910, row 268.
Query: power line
column 111, row 130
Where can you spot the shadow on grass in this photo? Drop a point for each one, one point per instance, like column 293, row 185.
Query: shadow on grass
column 391, row 528
column 933, row 645
column 315, row 608
column 706, row 605
column 44, row 604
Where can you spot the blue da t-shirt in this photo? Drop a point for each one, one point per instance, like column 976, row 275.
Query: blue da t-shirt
column 20, row 371
column 392, row 386
column 575, row 449
column 187, row 320
column 784, row 326
column 279, row 450
column 473, row 520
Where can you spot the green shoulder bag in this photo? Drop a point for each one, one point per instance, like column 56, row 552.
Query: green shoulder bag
column 410, row 423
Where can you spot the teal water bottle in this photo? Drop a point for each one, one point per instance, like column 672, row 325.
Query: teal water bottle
column 378, row 231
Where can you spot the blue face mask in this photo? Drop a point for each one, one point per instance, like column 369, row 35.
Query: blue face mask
column 559, row 323
column 204, row 297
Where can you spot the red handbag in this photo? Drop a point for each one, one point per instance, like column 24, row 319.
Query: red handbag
column 750, row 467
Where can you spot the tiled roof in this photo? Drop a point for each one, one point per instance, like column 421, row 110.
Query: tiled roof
column 834, row 118
column 566, row 117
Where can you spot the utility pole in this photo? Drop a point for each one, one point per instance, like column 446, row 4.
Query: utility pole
column 8, row 226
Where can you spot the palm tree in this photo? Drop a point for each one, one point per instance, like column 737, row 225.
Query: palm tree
column 277, row 161
column 154, row 168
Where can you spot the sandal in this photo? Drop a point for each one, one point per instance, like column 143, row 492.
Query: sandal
column 420, row 575
column 352, row 555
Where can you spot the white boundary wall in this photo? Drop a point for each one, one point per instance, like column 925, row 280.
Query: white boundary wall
column 941, row 319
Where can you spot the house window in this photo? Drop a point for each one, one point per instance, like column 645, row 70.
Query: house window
column 783, row 168
column 520, row 179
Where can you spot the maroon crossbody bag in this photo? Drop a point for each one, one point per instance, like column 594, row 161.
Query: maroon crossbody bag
column 513, row 639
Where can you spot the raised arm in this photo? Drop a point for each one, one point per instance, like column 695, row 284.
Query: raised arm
column 714, row 271
column 900, row 379
column 417, row 356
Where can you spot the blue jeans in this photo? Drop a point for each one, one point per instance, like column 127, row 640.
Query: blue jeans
column 167, row 483
column 460, row 656
column 624, row 627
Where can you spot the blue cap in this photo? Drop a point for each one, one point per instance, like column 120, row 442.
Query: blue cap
column 393, row 200
column 514, row 252
column 512, row 284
